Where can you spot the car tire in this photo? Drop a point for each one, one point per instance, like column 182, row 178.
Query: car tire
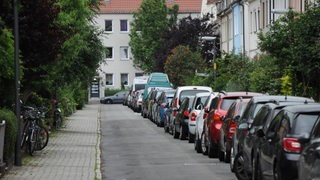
column 239, row 167
column 191, row 138
column 221, row 156
column 256, row 171
column 212, row 150
column 227, row 158
column 197, row 145
column 183, row 133
column 108, row 101
column 204, row 147
column 175, row 133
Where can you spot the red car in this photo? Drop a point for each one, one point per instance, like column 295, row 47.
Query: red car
column 217, row 110
column 230, row 122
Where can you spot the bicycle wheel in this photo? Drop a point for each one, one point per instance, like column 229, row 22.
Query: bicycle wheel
column 57, row 121
column 32, row 141
column 42, row 137
column 24, row 135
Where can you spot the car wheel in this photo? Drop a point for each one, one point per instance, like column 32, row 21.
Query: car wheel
column 239, row 167
column 228, row 154
column 183, row 134
column 204, row 147
column 257, row 175
column 175, row 132
column 232, row 159
column 190, row 138
column 212, row 150
column 221, row 155
column 108, row 101
column 197, row 144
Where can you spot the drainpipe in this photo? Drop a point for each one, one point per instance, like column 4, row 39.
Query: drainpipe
column 243, row 29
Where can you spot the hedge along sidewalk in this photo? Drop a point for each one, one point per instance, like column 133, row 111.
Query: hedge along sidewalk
column 73, row 152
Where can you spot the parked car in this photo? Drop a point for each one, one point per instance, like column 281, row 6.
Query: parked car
column 200, row 121
column 240, row 135
column 155, row 106
column 180, row 94
column 137, row 100
column 309, row 162
column 182, row 117
column 230, row 122
column 196, row 107
column 116, row 98
column 162, row 105
column 280, row 150
column 218, row 109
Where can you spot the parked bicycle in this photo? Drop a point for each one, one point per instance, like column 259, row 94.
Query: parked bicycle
column 57, row 118
column 35, row 136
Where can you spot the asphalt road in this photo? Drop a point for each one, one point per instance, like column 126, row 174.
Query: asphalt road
column 134, row 148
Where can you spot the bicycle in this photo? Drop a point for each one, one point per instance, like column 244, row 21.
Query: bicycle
column 34, row 134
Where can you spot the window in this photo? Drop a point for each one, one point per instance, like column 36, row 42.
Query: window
column 109, row 53
column 124, row 52
column 124, row 79
column 124, row 25
column 109, row 79
column 108, row 25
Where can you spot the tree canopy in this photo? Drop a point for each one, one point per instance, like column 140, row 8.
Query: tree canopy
column 149, row 23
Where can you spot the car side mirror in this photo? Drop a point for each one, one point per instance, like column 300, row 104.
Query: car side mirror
column 243, row 126
column 222, row 118
column 260, row 133
column 236, row 118
column 305, row 138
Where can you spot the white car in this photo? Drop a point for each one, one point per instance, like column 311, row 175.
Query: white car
column 180, row 94
column 200, row 121
column 196, row 107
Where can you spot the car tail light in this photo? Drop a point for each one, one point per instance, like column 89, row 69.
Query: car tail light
column 217, row 116
column 232, row 129
column 186, row 113
column 175, row 104
column 205, row 115
column 291, row 145
column 193, row 116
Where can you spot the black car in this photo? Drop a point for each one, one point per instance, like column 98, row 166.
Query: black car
column 309, row 162
column 280, row 149
column 182, row 117
column 251, row 142
column 243, row 170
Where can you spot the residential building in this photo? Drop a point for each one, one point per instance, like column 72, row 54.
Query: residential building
column 114, row 18
column 241, row 20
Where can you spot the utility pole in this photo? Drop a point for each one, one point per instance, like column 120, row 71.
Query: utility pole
column 18, row 161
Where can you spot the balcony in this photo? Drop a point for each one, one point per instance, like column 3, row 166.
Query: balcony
column 224, row 5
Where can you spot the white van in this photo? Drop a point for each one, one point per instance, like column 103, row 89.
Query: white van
column 139, row 83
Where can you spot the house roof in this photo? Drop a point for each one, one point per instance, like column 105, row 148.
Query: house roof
column 130, row 6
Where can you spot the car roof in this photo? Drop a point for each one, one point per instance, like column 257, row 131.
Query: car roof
column 238, row 93
column 304, row 108
column 280, row 98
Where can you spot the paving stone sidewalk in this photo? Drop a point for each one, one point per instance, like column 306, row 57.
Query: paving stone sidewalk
column 72, row 153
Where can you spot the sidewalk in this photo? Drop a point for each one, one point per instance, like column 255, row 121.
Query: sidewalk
column 72, row 153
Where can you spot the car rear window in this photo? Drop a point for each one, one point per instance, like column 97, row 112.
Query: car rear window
column 226, row 103
column 304, row 123
column 139, row 86
column 187, row 93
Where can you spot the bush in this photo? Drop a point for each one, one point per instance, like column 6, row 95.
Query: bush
column 110, row 92
column 10, row 134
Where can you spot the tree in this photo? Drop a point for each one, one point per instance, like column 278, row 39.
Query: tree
column 182, row 64
column 293, row 40
column 146, row 33
column 187, row 32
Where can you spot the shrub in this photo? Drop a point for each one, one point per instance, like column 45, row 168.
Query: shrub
column 10, row 134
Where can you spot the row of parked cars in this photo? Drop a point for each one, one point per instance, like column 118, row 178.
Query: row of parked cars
column 261, row 136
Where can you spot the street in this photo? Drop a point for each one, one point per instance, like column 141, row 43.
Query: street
column 132, row 147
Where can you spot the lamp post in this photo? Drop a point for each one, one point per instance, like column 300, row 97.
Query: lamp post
column 212, row 52
column 17, row 82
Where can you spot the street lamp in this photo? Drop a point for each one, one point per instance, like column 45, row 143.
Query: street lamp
column 212, row 52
